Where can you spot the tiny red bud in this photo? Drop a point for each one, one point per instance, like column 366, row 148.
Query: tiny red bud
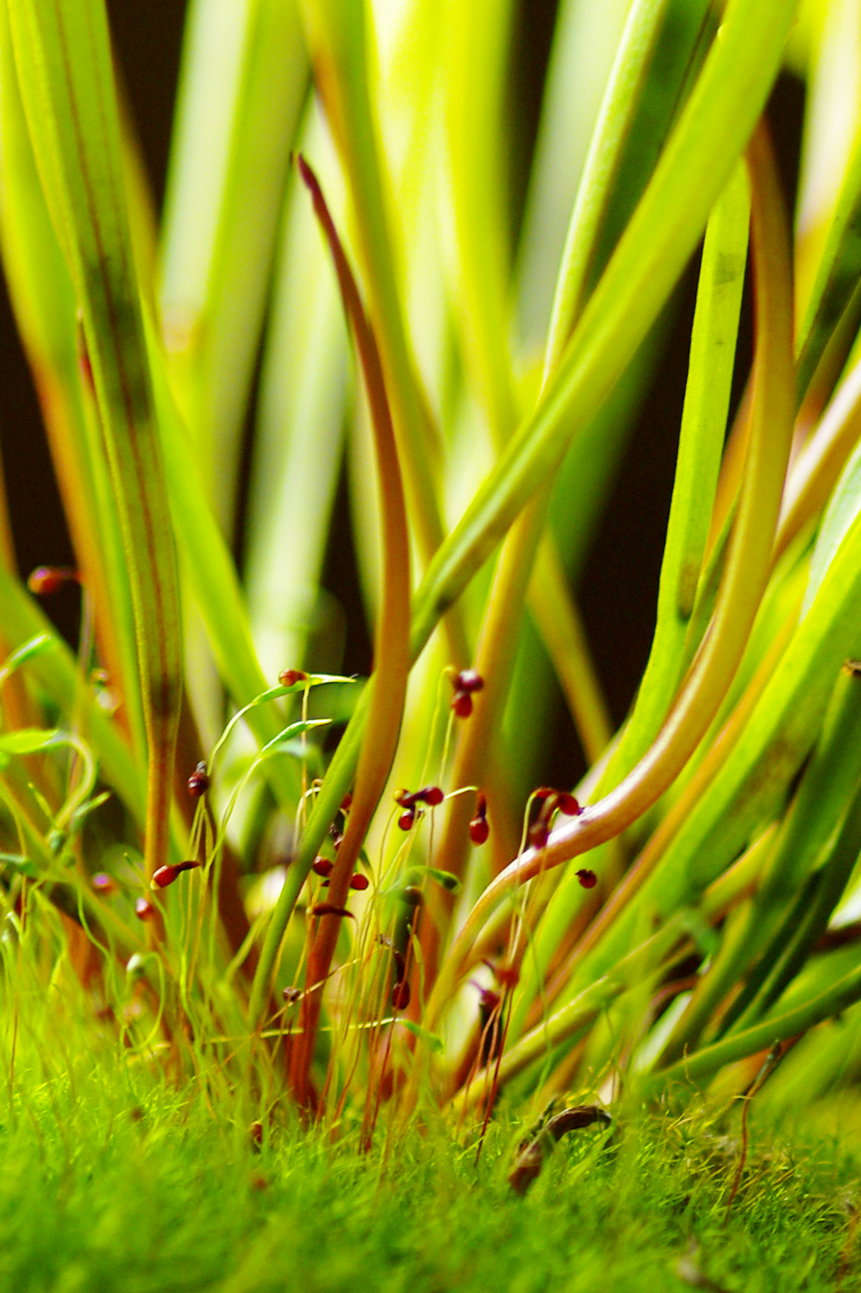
column 401, row 995
column 198, row 782
column 291, row 995
column 430, row 795
column 461, row 703
column 104, row 883
column 469, row 680
column 588, row 879
column 45, row 580
column 479, row 830
column 322, row 866
column 359, row 881
column 413, row 895
column 404, row 798
column 144, row 910
column 406, row 820
column 166, row 875
column 542, row 793
column 289, row 677
column 568, row 805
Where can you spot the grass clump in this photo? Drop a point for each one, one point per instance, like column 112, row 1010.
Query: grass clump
column 352, row 900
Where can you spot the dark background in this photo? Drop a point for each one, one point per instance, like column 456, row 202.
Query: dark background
column 618, row 593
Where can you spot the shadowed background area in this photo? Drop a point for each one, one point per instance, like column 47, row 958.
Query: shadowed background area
column 617, row 593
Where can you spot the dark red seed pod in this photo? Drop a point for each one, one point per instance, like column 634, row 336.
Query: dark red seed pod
column 401, row 995
column 45, row 580
column 461, row 703
column 359, row 881
column 405, row 798
column 413, row 895
column 406, row 820
column 291, row 995
column 164, row 876
column 542, row 793
column 329, row 909
column 430, row 795
column 469, row 680
column 322, row 866
column 289, row 677
column 198, row 782
column 104, row 883
column 144, row 910
column 588, row 879
column 568, row 805
column 479, row 830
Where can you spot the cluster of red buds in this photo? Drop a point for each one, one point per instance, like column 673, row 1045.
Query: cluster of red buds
column 550, row 802
column 587, row 878
column 478, row 827
column 466, row 684
column 198, row 782
column 323, row 867
column 411, row 802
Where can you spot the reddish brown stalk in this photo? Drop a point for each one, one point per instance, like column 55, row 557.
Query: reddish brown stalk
column 391, row 652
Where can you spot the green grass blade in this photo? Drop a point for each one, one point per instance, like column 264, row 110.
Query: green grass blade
column 64, row 61
column 611, row 129
column 475, row 62
column 43, row 300
column 303, row 388
column 701, row 440
column 211, row 575
column 340, row 40
column 695, row 166
column 213, row 321
column 836, row 278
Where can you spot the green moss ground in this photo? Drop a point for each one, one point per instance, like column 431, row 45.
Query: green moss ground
column 112, row 1182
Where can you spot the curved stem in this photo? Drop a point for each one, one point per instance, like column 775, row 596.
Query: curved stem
column 391, row 652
